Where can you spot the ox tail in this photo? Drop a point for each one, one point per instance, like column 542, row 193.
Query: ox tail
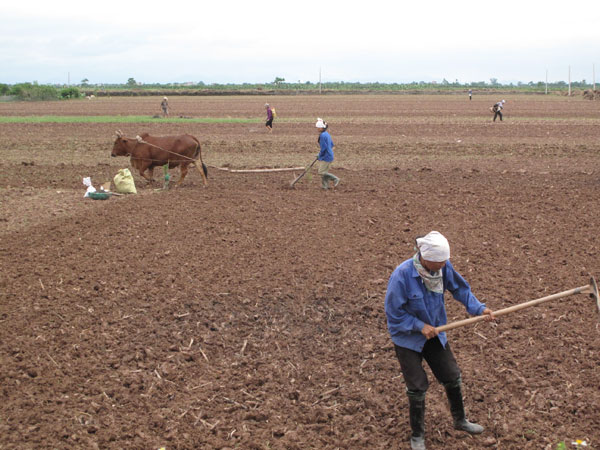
column 198, row 155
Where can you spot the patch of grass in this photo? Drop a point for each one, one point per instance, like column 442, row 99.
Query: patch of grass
column 122, row 119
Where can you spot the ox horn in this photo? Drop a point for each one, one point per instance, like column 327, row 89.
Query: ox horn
column 119, row 134
column 139, row 139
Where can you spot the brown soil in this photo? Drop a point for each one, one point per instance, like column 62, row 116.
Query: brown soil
column 250, row 315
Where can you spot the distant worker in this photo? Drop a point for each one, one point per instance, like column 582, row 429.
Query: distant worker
column 470, row 94
column 497, row 109
column 165, row 106
column 270, row 117
column 325, row 155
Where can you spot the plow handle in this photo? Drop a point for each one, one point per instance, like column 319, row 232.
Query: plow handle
column 501, row 312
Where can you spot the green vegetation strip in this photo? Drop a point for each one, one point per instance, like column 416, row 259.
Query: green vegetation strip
column 121, row 119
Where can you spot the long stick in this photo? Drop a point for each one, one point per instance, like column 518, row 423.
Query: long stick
column 279, row 169
column 461, row 323
column 304, row 173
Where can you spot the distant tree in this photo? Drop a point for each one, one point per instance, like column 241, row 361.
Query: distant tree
column 33, row 91
column 18, row 90
column 84, row 82
column 493, row 81
column 70, row 92
column 278, row 81
column 4, row 89
column 131, row 82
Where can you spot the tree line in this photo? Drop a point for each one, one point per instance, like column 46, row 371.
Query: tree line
column 35, row 91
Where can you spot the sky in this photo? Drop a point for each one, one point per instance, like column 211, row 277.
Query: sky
column 236, row 41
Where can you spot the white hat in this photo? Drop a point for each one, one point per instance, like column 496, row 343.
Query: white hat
column 434, row 247
column 165, row 98
column 320, row 123
column 503, row 101
column 266, row 104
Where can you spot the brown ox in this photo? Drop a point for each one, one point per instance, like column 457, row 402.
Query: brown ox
column 148, row 152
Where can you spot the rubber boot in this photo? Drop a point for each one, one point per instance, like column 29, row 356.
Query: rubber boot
column 325, row 181
column 457, row 409
column 416, row 402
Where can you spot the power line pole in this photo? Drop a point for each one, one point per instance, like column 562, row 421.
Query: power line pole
column 319, row 80
column 546, row 81
column 569, row 81
column 594, row 76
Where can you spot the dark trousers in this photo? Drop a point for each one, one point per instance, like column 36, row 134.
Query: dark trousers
column 441, row 361
column 498, row 114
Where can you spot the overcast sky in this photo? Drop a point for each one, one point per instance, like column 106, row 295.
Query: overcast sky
column 234, row 41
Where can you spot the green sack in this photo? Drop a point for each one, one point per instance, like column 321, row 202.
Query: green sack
column 124, row 182
column 98, row 195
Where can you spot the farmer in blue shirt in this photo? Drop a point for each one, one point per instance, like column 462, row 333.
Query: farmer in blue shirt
column 414, row 306
column 325, row 155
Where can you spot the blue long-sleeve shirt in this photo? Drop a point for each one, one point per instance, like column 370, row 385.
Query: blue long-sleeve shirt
column 409, row 305
column 326, row 153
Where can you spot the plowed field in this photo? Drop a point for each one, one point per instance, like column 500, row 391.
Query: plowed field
column 250, row 315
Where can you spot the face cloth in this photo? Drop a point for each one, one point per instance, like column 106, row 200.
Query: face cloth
column 433, row 247
column 434, row 282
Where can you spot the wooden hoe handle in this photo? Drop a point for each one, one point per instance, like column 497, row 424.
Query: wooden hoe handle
column 304, row 173
column 587, row 289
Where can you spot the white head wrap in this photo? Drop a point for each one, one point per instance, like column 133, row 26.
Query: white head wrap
column 434, row 247
column 320, row 123
column 266, row 105
column 503, row 101
column 165, row 98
